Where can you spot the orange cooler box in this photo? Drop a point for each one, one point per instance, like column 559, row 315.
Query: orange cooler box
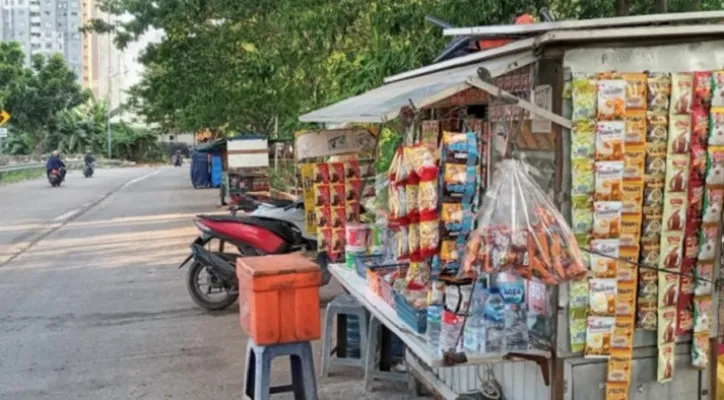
column 279, row 298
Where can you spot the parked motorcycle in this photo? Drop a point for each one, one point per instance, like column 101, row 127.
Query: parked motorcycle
column 88, row 170
column 211, row 278
column 55, row 177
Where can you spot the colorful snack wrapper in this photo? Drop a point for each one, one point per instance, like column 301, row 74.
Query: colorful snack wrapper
column 665, row 370
column 321, row 173
column 699, row 159
column 626, row 299
column 617, row 390
column 636, row 91
column 716, row 127
column 675, row 212
column 682, row 90
column 679, row 134
column 699, row 126
column 619, row 367
column 609, row 180
column 702, row 89
column 584, row 98
column 712, row 205
column 667, row 325
column 602, row 299
column 700, row 350
column 715, row 167
column 704, row 273
column 647, row 315
column 656, row 159
column 611, row 99
column 336, row 172
column 634, row 161
column 609, row 140
column 633, row 193
column 658, row 128
column 635, row 128
column 623, row 333
column 717, row 89
column 672, row 250
column 604, row 257
column 599, row 331
column 583, row 176
column 709, row 237
column 685, row 315
column 607, row 219
column 677, row 173
column 654, row 190
column 703, row 313
column 583, row 139
column 659, row 92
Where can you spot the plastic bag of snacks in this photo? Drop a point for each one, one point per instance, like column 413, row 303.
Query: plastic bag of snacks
column 520, row 230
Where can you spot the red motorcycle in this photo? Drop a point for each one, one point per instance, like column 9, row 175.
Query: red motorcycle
column 211, row 279
column 55, row 177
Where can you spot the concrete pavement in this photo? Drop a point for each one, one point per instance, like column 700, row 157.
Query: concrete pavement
column 95, row 308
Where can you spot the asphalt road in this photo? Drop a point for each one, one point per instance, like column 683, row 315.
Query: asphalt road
column 93, row 307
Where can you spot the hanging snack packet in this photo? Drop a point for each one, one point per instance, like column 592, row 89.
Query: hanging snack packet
column 610, row 140
column 658, row 128
column 659, row 92
column 717, row 89
column 708, row 240
column 611, row 99
column 429, row 237
column 699, row 158
column 703, row 313
column 352, row 169
column 607, row 219
column 716, row 127
column 353, row 188
column 635, row 128
column 459, row 148
column 704, row 283
column 679, row 134
column 702, row 89
column 682, row 90
column 715, row 167
column 602, row 296
column 699, row 127
column 598, row 336
column 336, row 172
column 584, row 98
column 458, row 181
column 677, row 173
column 321, row 173
column 583, row 139
column 604, row 257
column 700, row 350
column 634, row 162
column 609, row 180
column 656, row 159
column 665, row 370
column 636, row 91
column 583, row 177
column 430, row 136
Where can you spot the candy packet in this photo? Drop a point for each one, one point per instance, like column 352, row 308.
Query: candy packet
column 611, row 99
column 584, row 98
column 682, row 90
column 659, row 85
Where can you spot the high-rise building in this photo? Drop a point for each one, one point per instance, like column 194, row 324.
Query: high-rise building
column 45, row 27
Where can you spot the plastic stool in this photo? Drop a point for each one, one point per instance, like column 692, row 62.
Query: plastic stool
column 372, row 370
column 258, row 370
column 346, row 305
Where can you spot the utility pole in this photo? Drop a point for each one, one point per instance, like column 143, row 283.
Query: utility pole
column 108, row 111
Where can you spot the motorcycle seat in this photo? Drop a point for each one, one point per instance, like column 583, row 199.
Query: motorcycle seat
column 279, row 228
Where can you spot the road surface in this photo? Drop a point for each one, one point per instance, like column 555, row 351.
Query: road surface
column 92, row 306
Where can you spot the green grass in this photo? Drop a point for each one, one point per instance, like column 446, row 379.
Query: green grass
column 21, row 175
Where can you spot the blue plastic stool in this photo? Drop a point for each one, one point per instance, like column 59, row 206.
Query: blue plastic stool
column 258, row 370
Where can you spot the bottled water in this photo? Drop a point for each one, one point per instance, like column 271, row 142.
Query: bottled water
column 494, row 317
column 516, row 328
column 434, row 322
column 474, row 334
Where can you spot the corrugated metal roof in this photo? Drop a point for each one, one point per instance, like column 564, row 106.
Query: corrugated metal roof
column 535, row 29
column 384, row 103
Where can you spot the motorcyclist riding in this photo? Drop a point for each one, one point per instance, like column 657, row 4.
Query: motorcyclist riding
column 54, row 162
column 89, row 159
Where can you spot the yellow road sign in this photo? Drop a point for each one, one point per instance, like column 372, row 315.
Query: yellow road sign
column 4, row 117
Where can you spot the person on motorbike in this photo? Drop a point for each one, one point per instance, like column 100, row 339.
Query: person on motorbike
column 54, row 162
column 178, row 159
column 89, row 159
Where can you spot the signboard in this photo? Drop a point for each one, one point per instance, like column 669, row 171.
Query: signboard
column 312, row 144
column 543, row 98
column 4, row 117
column 3, row 132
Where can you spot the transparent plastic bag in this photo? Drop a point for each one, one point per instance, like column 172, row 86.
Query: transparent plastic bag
column 520, row 230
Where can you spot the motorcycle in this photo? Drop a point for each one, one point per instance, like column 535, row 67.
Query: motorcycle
column 88, row 170
column 55, row 177
column 211, row 278
column 178, row 160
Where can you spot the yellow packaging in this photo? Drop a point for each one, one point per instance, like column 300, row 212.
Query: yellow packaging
column 602, row 298
column 604, row 257
column 634, row 161
column 582, row 176
column 628, row 263
column 635, row 128
column 636, row 90
column 626, row 299
column 609, row 180
column 609, row 140
column 617, row 390
column 307, row 176
column 630, row 229
column 623, row 333
column 598, row 336
column 619, row 366
column 647, row 315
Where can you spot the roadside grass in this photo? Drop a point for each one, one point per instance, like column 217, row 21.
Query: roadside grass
column 21, row 175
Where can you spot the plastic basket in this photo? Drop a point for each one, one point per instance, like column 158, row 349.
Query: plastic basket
column 379, row 286
column 415, row 318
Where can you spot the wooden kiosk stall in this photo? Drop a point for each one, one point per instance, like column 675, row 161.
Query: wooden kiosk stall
column 651, row 87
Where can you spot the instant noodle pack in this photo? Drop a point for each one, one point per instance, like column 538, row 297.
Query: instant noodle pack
column 647, row 177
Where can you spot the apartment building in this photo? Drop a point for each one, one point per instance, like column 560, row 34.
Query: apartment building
column 45, row 27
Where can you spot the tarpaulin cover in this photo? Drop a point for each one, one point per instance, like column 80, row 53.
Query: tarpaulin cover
column 200, row 170
column 216, row 171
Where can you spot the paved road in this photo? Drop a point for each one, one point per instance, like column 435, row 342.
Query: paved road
column 92, row 306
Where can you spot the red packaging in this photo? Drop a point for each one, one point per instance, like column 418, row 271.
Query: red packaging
column 697, row 169
column 696, row 203
column 691, row 246
column 688, row 268
column 339, row 192
column 685, row 313
column 702, row 89
column 336, row 172
column 324, row 217
column 537, row 297
column 699, row 127
column 337, row 246
column 324, row 239
column 339, row 217
column 321, row 173
column 353, row 189
column 351, row 170
column 322, row 194
column 353, row 211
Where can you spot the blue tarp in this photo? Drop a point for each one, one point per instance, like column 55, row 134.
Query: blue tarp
column 200, row 170
column 216, row 171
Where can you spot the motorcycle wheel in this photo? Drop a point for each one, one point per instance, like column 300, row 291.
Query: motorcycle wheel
column 201, row 298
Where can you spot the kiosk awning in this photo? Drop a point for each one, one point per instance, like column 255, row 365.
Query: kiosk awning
column 384, row 103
